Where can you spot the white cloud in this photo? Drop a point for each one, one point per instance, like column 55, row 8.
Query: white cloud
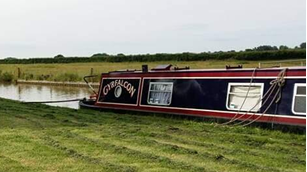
column 35, row 28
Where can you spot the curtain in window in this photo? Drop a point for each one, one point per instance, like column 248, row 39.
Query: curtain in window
column 300, row 104
column 235, row 102
column 237, row 95
column 242, row 89
column 160, row 97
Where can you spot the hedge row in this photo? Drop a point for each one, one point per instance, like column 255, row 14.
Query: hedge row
column 246, row 55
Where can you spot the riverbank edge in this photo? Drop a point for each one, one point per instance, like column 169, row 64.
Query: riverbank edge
column 72, row 84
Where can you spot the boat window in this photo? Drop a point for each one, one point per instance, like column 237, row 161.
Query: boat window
column 299, row 99
column 160, row 93
column 246, row 95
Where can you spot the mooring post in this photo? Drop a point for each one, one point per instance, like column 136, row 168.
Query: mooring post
column 92, row 73
column 18, row 73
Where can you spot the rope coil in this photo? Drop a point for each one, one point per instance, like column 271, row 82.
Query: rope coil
column 234, row 118
column 279, row 81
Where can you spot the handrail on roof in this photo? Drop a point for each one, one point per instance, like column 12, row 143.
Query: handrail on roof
column 302, row 62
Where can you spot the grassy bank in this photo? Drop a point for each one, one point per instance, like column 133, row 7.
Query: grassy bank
column 43, row 138
column 76, row 71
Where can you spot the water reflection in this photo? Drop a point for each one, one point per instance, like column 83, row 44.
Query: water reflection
column 26, row 92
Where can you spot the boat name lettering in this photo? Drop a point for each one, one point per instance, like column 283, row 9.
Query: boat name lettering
column 125, row 84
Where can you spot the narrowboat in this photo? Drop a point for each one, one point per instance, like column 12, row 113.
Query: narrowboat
column 274, row 95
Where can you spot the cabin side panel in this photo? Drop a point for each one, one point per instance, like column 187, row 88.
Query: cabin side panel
column 211, row 94
column 119, row 91
column 286, row 101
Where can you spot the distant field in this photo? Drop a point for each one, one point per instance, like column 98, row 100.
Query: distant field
column 75, row 71
column 43, row 138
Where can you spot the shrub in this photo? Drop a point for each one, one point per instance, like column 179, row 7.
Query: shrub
column 27, row 76
column 6, row 77
column 67, row 77
column 43, row 77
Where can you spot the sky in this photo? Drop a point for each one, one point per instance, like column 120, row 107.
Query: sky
column 45, row 28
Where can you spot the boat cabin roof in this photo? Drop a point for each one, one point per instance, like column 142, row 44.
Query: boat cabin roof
column 169, row 68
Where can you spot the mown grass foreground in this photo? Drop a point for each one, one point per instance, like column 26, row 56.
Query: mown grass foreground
column 36, row 137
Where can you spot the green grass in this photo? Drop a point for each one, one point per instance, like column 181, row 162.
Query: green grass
column 37, row 137
column 76, row 71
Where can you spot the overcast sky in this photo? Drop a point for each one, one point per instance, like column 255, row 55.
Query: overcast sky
column 42, row 28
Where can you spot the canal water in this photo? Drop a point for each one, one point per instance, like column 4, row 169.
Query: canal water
column 29, row 93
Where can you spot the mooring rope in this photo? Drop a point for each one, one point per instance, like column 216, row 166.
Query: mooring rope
column 269, row 93
column 235, row 116
column 88, row 84
column 279, row 81
column 264, row 102
column 55, row 101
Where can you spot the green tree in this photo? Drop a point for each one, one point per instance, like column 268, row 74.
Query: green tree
column 10, row 58
column 265, row 48
column 100, row 55
column 303, row 45
column 59, row 56
column 283, row 47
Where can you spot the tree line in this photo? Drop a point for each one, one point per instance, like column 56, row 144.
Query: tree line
column 264, row 52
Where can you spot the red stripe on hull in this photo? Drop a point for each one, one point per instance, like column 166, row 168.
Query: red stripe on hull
column 227, row 115
column 242, row 73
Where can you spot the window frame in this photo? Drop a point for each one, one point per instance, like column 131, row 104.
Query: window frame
column 149, row 90
column 296, row 85
column 230, row 84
